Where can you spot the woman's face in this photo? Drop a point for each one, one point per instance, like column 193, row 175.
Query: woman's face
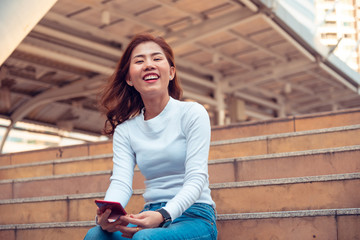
column 149, row 70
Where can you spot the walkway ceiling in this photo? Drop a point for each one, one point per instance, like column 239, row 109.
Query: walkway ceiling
column 225, row 50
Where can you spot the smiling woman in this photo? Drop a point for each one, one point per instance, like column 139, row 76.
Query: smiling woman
column 149, row 74
column 122, row 101
column 167, row 139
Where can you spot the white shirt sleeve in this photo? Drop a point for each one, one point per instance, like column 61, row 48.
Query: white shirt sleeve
column 196, row 126
column 120, row 189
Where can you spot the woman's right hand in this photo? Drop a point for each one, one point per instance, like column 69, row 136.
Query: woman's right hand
column 102, row 220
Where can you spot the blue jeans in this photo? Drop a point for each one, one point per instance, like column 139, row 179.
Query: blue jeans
column 198, row 222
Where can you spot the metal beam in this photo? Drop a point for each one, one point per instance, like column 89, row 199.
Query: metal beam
column 257, row 115
column 116, row 52
column 275, row 73
column 332, row 98
column 30, row 81
column 76, row 89
column 66, row 59
column 264, row 71
column 71, row 23
column 200, row 98
column 210, row 27
column 249, row 4
column 175, row 8
column 112, row 8
column 257, row 46
column 324, row 79
column 338, row 77
column 200, row 81
column 223, row 56
column 71, row 51
column 257, row 100
column 289, row 38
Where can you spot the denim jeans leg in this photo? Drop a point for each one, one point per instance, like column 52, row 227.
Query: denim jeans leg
column 96, row 233
column 198, row 222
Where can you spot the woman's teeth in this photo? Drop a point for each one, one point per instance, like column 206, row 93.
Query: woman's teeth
column 151, row 77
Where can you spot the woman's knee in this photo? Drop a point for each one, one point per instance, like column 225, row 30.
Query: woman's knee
column 140, row 235
column 146, row 234
column 96, row 233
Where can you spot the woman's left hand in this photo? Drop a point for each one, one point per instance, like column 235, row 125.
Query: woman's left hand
column 148, row 219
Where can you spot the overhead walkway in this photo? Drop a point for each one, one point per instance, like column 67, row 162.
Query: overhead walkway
column 244, row 60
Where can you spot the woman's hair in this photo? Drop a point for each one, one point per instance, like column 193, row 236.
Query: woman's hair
column 119, row 101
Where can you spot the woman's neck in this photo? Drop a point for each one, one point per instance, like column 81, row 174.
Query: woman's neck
column 154, row 107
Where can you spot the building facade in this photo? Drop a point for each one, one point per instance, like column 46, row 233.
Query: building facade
column 338, row 26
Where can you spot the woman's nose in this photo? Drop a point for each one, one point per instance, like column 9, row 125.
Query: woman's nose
column 149, row 65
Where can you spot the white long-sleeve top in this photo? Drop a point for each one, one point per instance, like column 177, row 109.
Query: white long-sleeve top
column 171, row 151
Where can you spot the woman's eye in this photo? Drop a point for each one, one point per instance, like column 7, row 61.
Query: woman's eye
column 139, row 61
column 157, row 59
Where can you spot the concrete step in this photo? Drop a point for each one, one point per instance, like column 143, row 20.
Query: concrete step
column 286, row 165
column 329, row 224
column 82, row 150
column 57, row 167
column 286, row 125
column 271, row 166
column 289, row 194
column 279, row 143
column 286, row 142
column 55, row 185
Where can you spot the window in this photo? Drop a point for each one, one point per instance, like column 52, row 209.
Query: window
column 331, row 35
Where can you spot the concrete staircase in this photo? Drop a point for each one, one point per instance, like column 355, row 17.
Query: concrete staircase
column 290, row 178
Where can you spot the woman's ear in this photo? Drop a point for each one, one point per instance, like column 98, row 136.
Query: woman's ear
column 172, row 73
column 129, row 82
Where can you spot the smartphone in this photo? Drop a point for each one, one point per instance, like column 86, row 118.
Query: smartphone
column 117, row 209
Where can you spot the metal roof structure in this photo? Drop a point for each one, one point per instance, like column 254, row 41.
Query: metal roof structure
column 228, row 53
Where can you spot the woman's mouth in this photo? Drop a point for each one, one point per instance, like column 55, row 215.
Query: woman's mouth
column 151, row 77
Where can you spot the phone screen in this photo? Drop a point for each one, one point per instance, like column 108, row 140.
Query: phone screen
column 116, row 208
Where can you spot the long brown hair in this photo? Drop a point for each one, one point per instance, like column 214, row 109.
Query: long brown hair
column 119, row 101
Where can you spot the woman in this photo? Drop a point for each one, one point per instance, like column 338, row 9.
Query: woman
column 169, row 141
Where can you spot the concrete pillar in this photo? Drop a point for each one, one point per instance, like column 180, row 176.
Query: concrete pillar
column 283, row 108
column 237, row 110
column 17, row 19
column 220, row 98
